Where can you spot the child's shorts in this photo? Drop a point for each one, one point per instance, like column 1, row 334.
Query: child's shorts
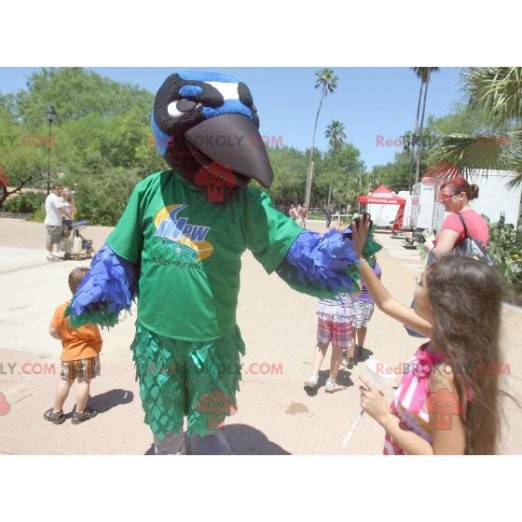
column 339, row 333
column 177, row 378
column 363, row 313
column 80, row 369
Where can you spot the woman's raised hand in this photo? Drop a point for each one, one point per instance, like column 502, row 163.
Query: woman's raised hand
column 360, row 229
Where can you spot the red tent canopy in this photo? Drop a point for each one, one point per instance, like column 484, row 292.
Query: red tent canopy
column 382, row 195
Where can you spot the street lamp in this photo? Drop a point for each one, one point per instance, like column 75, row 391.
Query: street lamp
column 51, row 116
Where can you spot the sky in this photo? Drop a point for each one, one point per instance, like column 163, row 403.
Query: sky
column 375, row 105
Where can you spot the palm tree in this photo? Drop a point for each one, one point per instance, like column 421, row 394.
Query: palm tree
column 424, row 74
column 326, row 80
column 336, row 135
column 498, row 92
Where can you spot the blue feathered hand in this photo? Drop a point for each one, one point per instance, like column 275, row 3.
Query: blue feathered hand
column 323, row 264
column 108, row 288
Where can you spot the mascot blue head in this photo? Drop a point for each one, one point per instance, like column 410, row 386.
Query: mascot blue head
column 206, row 127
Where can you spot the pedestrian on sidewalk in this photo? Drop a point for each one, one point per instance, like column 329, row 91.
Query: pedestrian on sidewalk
column 328, row 217
column 80, row 359
column 293, row 213
column 303, row 215
column 300, row 213
column 448, row 401
column 363, row 306
column 70, row 210
column 56, row 209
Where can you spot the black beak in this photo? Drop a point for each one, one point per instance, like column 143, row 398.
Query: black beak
column 233, row 141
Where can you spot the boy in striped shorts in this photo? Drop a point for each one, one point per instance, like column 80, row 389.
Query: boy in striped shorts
column 335, row 326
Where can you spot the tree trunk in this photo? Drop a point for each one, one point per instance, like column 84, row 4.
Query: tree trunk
column 311, row 160
column 417, row 170
column 6, row 193
column 415, row 135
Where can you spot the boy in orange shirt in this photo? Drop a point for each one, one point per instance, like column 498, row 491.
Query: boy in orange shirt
column 80, row 359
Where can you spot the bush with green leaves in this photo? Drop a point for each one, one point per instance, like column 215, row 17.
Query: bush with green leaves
column 101, row 197
column 24, row 203
column 505, row 246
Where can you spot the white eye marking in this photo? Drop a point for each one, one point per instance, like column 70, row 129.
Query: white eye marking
column 172, row 109
column 228, row 90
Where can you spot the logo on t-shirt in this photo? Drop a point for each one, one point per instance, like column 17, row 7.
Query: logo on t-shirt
column 184, row 234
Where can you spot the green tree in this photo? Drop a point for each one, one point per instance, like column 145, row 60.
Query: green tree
column 336, row 135
column 497, row 93
column 76, row 93
column 347, row 170
column 101, row 133
column 20, row 159
column 289, row 166
column 424, row 74
column 101, row 199
column 395, row 174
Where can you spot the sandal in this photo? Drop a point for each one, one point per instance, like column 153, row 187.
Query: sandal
column 55, row 417
column 87, row 414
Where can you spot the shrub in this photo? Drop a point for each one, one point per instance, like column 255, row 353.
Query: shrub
column 24, row 203
column 505, row 246
column 101, row 198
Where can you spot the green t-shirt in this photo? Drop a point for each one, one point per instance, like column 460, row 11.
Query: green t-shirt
column 189, row 252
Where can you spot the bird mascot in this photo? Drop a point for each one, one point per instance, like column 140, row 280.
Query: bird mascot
column 177, row 249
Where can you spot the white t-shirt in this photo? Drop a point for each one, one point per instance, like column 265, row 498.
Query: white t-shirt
column 53, row 204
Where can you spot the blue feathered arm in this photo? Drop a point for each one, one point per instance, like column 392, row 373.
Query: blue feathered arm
column 108, row 288
column 323, row 265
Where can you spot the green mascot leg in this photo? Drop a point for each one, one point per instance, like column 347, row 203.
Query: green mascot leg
column 171, row 444
column 196, row 380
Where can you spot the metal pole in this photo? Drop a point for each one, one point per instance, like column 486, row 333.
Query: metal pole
column 49, row 158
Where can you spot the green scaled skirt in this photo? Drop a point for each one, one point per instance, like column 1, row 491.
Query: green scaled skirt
column 178, row 379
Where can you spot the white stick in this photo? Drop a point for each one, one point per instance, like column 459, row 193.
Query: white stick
column 354, row 426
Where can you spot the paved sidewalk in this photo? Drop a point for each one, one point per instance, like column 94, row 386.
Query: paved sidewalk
column 275, row 414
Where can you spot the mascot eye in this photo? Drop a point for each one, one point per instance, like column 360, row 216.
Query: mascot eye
column 179, row 107
column 186, row 105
